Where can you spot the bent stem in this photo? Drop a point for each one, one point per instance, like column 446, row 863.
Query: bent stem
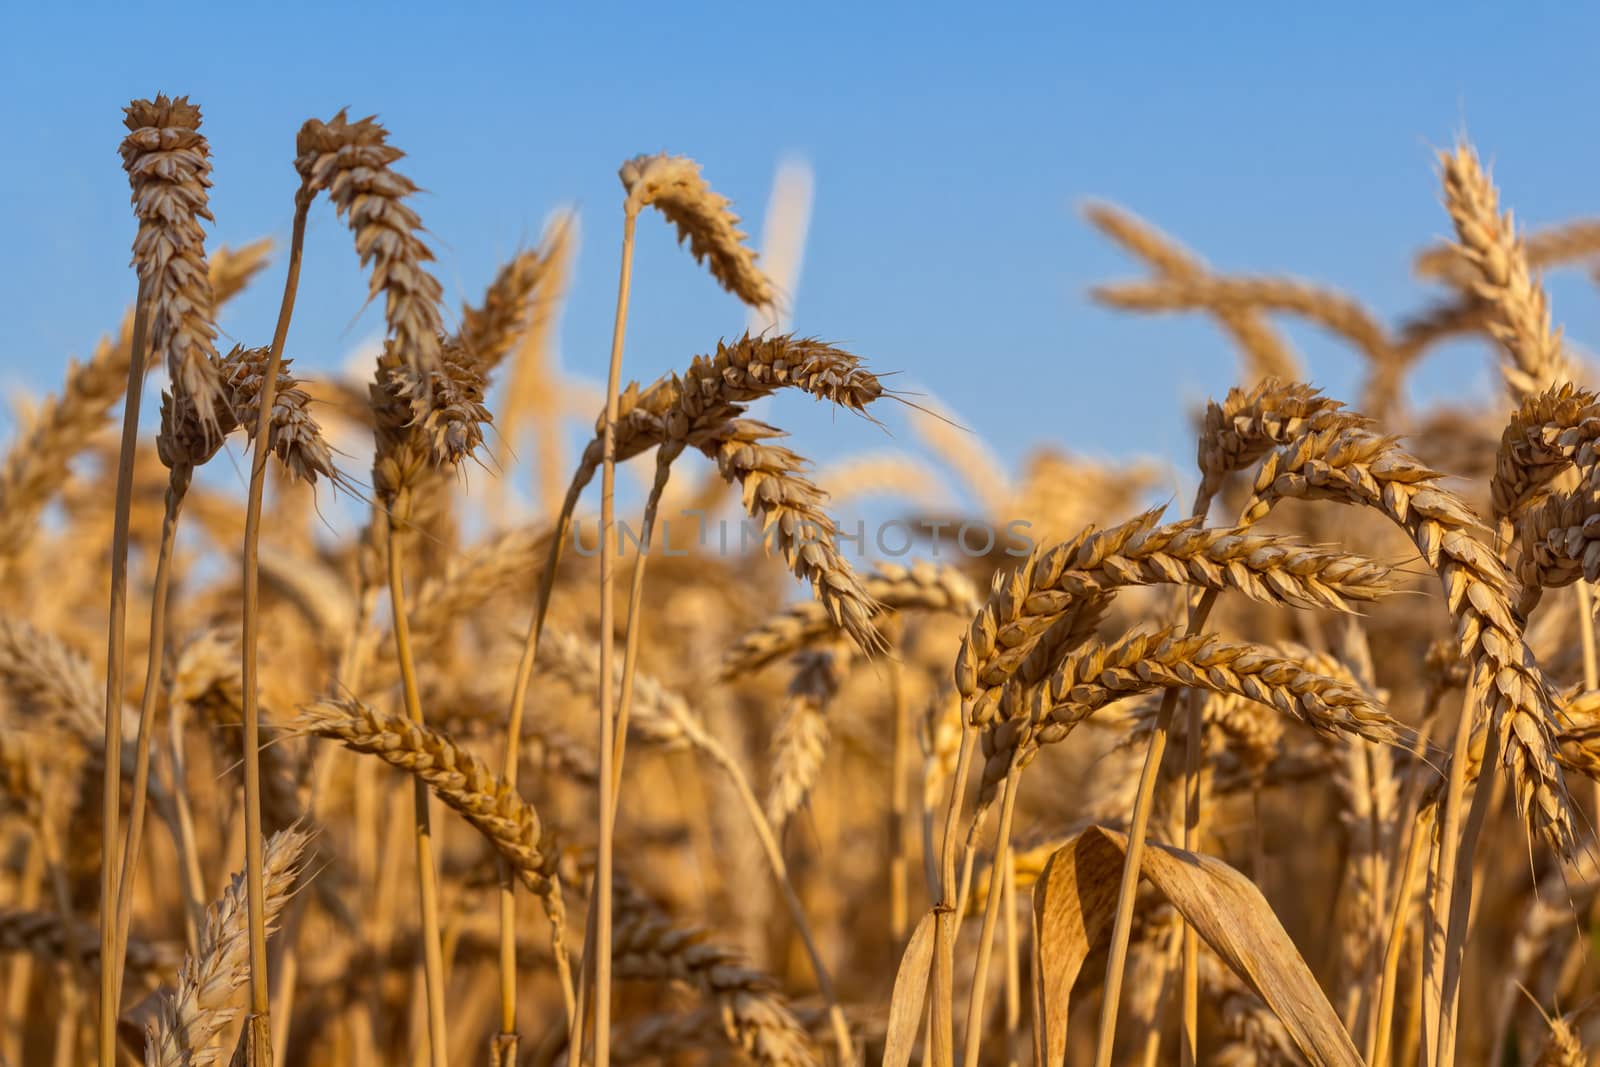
column 1137, row 830
column 427, row 877
column 116, row 640
column 260, row 1035
column 608, row 479
column 177, row 486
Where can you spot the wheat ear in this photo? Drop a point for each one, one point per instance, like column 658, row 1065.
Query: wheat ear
column 757, row 1019
column 674, row 187
column 1266, row 353
column 185, row 1033
column 1488, row 241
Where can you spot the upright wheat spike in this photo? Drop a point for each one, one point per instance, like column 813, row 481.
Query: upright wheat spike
column 1488, row 241
column 169, row 166
column 191, row 1019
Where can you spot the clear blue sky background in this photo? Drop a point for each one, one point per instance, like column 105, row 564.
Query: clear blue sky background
column 951, row 147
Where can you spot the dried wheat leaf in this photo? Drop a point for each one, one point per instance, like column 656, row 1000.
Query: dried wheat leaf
column 1075, row 901
column 910, row 992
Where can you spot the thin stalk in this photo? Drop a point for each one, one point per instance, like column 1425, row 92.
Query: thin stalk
column 116, row 641
column 899, row 803
column 1377, row 1051
column 177, row 486
column 991, row 912
column 259, row 1040
column 1591, row 672
column 1189, row 1033
column 1449, row 841
column 192, row 881
column 608, row 481
column 942, row 1005
column 427, row 876
column 1462, row 899
column 1013, row 967
column 19, row 972
column 1138, row 827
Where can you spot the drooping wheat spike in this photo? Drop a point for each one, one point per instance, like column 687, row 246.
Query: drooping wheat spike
column 1548, row 432
column 1267, row 568
column 1357, row 467
column 1249, row 423
column 294, row 435
column 793, row 522
column 1266, row 354
column 674, row 187
column 203, row 1005
column 923, row 587
column 169, row 166
column 1098, row 674
column 43, row 935
column 660, row 716
column 422, row 427
column 650, row 946
column 1488, row 240
column 462, row 781
column 800, row 740
column 1335, row 312
column 350, row 161
column 36, row 465
column 1560, row 544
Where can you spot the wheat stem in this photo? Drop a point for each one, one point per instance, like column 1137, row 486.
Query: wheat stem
column 255, row 891
column 608, row 479
column 116, row 637
column 427, row 875
column 942, row 1011
column 1138, row 827
column 176, row 487
column 899, row 802
column 991, row 912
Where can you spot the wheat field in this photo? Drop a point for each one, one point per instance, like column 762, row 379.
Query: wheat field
column 740, row 761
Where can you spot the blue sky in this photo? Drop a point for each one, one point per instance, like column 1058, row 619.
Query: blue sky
column 951, row 145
